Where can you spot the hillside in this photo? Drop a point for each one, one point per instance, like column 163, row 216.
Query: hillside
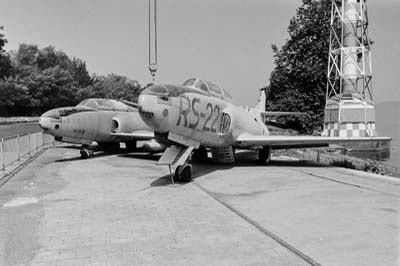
column 388, row 124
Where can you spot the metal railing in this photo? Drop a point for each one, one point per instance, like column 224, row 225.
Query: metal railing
column 16, row 148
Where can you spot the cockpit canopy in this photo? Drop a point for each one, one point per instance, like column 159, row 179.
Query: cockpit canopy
column 103, row 104
column 53, row 113
column 91, row 104
column 207, row 87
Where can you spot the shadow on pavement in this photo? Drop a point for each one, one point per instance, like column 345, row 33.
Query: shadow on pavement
column 78, row 158
column 243, row 159
column 141, row 155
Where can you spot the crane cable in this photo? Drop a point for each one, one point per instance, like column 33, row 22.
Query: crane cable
column 153, row 61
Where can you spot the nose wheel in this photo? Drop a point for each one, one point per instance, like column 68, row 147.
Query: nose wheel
column 183, row 173
column 85, row 152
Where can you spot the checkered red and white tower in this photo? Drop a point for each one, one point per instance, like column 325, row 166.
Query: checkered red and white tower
column 349, row 110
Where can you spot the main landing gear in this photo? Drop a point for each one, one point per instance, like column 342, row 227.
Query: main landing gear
column 264, row 155
column 200, row 155
column 85, row 152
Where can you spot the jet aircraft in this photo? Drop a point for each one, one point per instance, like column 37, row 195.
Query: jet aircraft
column 96, row 119
column 199, row 114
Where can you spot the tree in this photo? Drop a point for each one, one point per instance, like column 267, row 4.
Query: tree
column 14, row 97
column 114, row 87
column 79, row 71
column 5, row 62
column 53, row 87
column 298, row 82
column 47, row 78
column 27, row 55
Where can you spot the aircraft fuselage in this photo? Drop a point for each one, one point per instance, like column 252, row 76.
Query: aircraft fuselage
column 208, row 118
column 83, row 124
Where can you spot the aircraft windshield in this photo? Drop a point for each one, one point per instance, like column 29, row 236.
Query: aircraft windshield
column 201, row 85
column 156, row 90
column 189, row 82
column 52, row 114
column 214, row 88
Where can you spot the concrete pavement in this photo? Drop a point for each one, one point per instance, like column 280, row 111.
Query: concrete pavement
column 122, row 210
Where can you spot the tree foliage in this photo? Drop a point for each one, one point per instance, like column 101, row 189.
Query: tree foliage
column 13, row 95
column 42, row 79
column 5, row 63
column 298, row 82
column 115, row 87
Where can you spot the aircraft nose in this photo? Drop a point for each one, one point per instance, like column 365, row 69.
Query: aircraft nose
column 44, row 123
column 147, row 107
column 152, row 110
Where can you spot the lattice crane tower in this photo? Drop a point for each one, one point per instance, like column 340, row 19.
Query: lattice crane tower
column 349, row 110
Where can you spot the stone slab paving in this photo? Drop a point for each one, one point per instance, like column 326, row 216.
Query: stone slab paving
column 122, row 210
column 336, row 216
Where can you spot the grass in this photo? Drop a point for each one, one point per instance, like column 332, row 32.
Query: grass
column 335, row 157
column 18, row 119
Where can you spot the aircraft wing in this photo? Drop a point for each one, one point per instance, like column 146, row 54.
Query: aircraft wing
column 131, row 104
column 287, row 142
column 135, row 135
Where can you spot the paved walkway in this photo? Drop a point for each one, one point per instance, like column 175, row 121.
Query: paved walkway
column 122, row 210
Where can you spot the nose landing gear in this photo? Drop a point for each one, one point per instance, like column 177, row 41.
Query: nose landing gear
column 183, row 173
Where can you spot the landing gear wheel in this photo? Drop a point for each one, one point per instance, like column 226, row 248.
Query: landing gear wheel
column 264, row 155
column 183, row 173
column 86, row 153
column 177, row 171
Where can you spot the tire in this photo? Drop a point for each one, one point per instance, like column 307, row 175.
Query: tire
column 177, row 175
column 183, row 175
column 186, row 175
column 85, row 153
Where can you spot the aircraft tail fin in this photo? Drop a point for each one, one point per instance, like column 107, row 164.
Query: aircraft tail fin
column 260, row 106
column 260, row 109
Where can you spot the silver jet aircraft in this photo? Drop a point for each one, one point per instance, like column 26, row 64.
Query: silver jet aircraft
column 95, row 119
column 200, row 114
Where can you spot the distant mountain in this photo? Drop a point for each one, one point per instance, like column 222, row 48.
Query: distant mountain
column 387, row 115
column 388, row 118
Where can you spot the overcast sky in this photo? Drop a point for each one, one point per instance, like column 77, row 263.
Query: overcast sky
column 224, row 41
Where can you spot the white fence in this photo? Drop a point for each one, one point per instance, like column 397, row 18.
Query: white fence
column 14, row 149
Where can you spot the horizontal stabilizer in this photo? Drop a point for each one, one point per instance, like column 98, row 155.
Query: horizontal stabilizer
column 175, row 155
column 135, row 135
column 275, row 114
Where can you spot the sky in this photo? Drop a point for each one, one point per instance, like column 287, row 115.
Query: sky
column 227, row 42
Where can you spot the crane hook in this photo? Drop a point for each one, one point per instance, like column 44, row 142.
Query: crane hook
column 153, row 38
